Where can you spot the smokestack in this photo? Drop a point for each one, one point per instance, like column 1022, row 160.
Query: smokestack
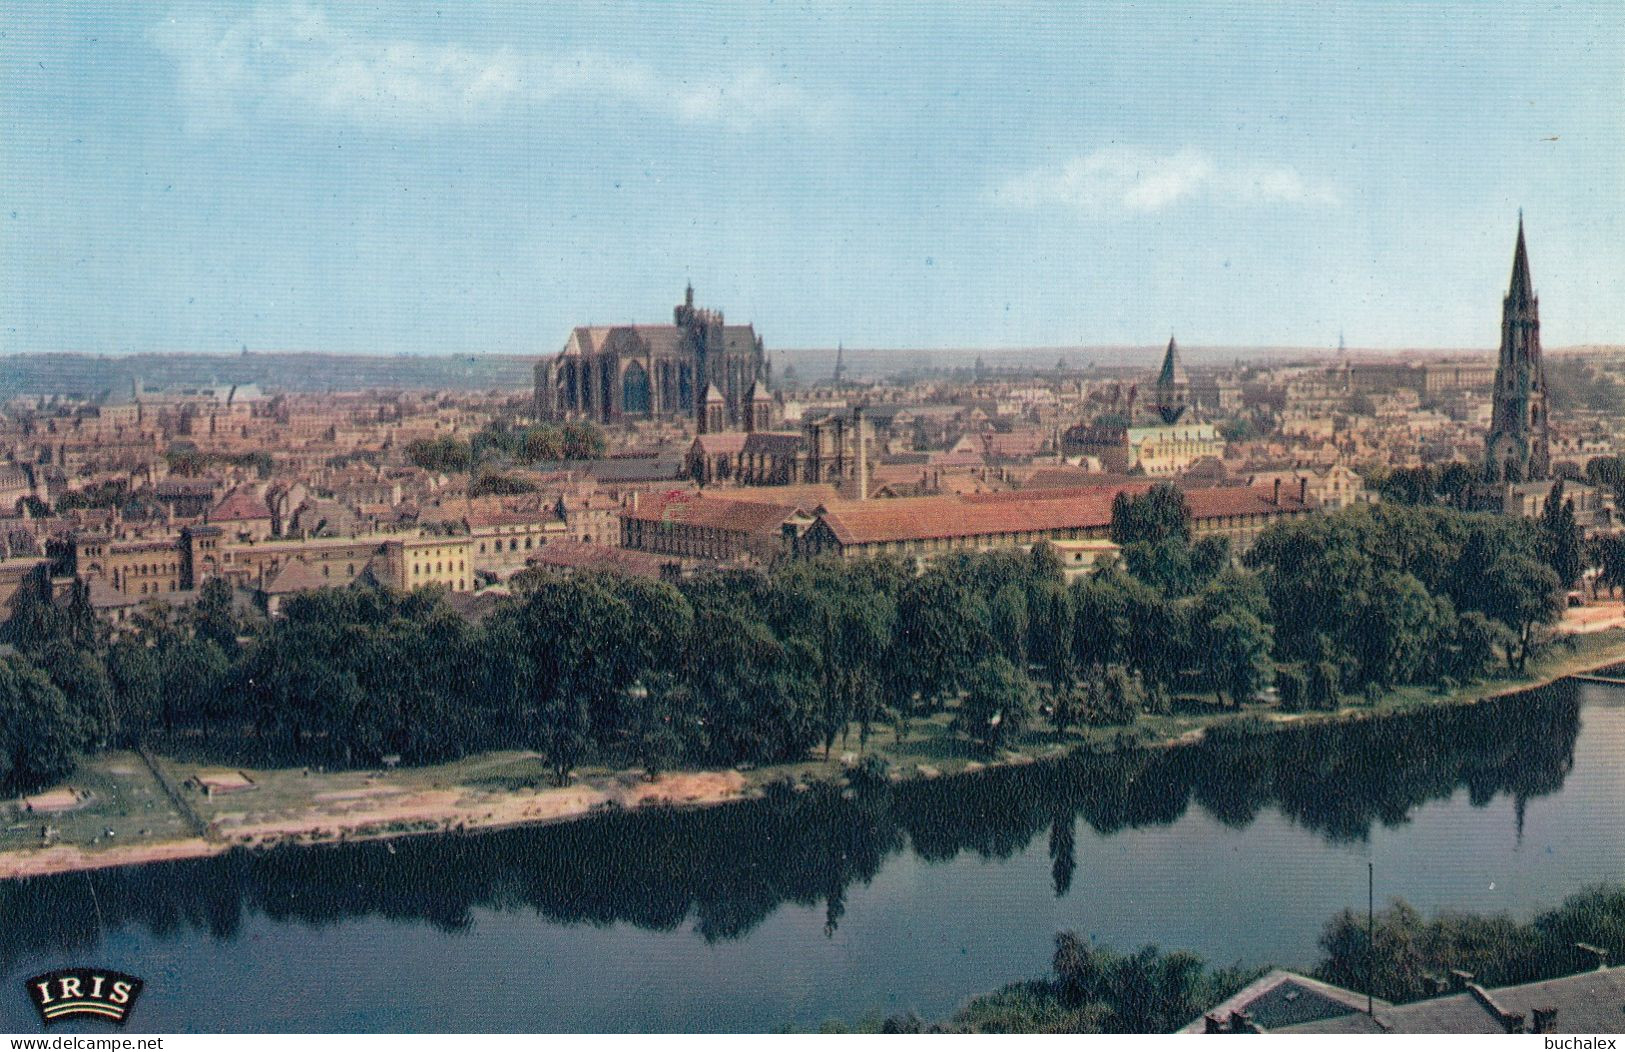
column 1303, row 490
column 1277, row 498
column 863, row 454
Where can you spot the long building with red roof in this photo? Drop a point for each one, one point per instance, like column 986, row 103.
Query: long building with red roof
column 925, row 528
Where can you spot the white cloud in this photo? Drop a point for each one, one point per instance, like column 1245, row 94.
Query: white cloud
column 292, row 63
column 1116, row 180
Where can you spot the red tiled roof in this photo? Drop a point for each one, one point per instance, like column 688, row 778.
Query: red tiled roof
column 238, row 506
column 736, row 516
column 805, row 496
column 992, row 514
column 477, row 518
column 578, row 555
column 297, row 576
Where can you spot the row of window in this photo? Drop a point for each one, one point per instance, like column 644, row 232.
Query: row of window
column 438, row 568
column 156, row 587
column 151, row 569
column 513, row 545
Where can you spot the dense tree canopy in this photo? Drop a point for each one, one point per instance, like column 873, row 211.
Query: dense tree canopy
column 745, row 667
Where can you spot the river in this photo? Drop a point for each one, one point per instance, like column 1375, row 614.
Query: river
column 813, row 906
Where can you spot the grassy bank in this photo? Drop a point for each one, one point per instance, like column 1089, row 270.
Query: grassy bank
column 121, row 815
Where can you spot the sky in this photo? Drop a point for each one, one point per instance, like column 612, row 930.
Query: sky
column 480, row 177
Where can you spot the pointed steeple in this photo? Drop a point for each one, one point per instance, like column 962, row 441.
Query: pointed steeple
column 1518, row 446
column 1172, row 385
column 1173, row 370
column 1520, row 289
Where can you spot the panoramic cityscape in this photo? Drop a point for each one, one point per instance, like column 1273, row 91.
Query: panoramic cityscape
column 743, row 549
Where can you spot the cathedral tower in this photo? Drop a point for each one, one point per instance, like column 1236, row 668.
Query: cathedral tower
column 1519, row 448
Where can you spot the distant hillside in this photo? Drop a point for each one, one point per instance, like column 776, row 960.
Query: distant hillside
column 815, row 363
column 93, row 375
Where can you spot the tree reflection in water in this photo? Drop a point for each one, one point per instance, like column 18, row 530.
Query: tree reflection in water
column 725, row 869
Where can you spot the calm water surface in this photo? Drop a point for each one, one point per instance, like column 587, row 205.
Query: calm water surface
column 794, row 911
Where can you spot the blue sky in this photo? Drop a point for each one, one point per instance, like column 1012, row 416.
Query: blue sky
column 479, row 177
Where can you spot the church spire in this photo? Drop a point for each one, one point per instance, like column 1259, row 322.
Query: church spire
column 1520, row 289
column 1173, row 371
column 1519, row 442
column 1172, row 385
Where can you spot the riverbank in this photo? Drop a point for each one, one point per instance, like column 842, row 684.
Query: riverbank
column 118, row 811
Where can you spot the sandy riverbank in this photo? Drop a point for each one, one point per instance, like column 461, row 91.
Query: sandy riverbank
column 387, row 811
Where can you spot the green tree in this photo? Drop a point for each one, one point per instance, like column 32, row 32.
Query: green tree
column 943, row 628
column 1154, row 516
column 137, row 680
column 194, row 678
column 1610, row 560
column 1101, row 618
column 443, row 454
column 40, row 733
column 582, row 440
column 999, row 700
column 1165, row 565
column 543, row 443
column 1521, row 592
column 213, row 617
column 1010, row 622
column 1237, row 646
column 1112, row 699
column 82, row 678
column 1209, row 557
column 1051, row 628
column 35, row 620
column 1560, row 535
column 1068, row 706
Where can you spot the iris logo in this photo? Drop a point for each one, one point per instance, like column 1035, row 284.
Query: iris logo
column 93, row 993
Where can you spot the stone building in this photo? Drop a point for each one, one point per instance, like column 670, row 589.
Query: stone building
column 699, row 368
column 836, row 448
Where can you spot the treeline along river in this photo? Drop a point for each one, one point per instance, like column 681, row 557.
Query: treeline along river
column 820, row 904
